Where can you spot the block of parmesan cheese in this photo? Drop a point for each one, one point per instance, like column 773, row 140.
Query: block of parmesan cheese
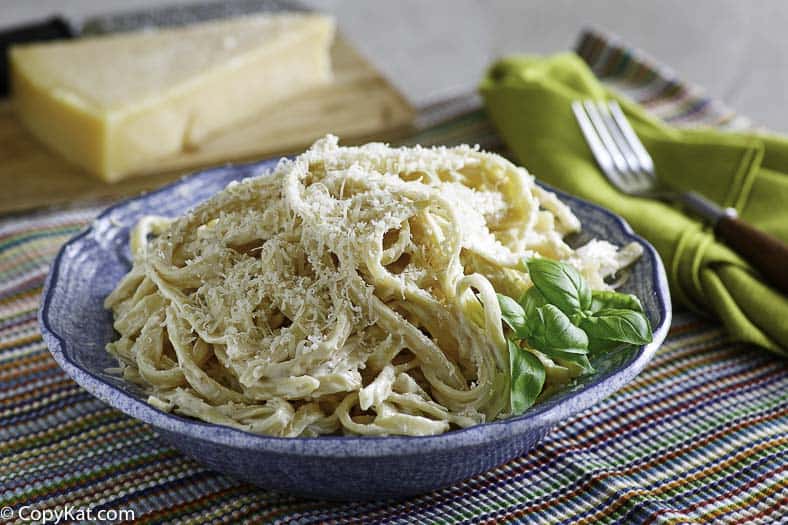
column 115, row 104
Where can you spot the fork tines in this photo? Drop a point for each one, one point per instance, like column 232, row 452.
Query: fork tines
column 615, row 145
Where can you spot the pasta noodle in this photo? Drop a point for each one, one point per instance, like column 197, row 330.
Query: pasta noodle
column 350, row 290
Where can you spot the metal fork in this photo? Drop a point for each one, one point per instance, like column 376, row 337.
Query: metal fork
column 629, row 167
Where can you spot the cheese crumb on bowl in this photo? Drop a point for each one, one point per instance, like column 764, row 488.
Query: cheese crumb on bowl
column 117, row 104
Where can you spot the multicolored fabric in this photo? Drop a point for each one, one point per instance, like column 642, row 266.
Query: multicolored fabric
column 700, row 436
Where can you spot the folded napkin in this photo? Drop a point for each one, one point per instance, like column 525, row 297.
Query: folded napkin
column 528, row 100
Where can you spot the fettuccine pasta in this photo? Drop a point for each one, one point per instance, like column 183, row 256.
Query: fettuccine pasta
column 351, row 290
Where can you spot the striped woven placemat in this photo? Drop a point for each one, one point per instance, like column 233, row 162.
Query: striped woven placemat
column 700, row 436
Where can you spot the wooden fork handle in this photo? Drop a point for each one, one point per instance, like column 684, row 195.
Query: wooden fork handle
column 766, row 253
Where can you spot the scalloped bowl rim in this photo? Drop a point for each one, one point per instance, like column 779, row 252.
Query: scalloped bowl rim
column 541, row 415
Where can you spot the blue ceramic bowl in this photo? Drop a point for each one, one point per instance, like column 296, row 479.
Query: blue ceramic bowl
column 77, row 327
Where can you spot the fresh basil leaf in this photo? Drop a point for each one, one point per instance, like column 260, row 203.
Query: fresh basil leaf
column 527, row 378
column 578, row 361
column 531, row 300
column 512, row 314
column 601, row 300
column 549, row 329
column 596, row 346
column 615, row 324
column 560, row 284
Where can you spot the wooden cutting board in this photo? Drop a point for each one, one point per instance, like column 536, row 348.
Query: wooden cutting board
column 359, row 105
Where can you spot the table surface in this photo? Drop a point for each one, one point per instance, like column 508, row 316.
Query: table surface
column 437, row 49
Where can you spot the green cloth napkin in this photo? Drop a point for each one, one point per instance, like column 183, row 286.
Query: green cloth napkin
column 528, row 100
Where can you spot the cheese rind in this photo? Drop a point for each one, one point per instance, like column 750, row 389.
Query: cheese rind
column 116, row 104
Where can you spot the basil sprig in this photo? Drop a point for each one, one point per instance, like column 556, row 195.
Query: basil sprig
column 563, row 319
column 560, row 284
column 512, row 314
column 528, row 375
